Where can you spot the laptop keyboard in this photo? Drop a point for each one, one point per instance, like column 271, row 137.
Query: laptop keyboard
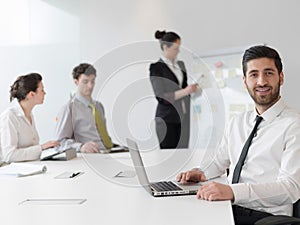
column 165, row 186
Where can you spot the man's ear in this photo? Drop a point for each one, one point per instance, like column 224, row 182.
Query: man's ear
column 76, row 81
column 281, row 78
column 244, row 80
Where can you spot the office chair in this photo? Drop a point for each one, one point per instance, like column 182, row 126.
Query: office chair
column 283, row 220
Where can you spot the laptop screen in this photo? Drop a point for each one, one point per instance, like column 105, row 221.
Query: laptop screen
column 138, row 164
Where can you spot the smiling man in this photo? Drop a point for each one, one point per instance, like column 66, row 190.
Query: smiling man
column 263, row 81
column 81, row 122
column 261, row 148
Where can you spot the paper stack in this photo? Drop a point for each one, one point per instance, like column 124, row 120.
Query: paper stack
column 22, row 169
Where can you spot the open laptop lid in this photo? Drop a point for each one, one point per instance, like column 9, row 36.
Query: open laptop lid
column 190, row 189
column 138, row 164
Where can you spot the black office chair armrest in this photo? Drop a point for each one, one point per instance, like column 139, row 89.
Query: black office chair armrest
column 278, row 220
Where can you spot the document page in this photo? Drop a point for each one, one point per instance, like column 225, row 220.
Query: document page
column 22, row 169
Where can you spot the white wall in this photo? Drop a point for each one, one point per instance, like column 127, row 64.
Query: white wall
column 52, row 36
column 40, row 37
column 203, row 25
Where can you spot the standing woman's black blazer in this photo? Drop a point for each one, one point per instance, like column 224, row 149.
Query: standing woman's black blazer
column 165, row 83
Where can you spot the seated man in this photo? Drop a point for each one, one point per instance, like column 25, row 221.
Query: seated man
column 265, row 172
column 81, row 122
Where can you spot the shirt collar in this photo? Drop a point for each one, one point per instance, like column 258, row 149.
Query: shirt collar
column 168, row 61
column 18, row 109
column 271, row 113
column 82, row 99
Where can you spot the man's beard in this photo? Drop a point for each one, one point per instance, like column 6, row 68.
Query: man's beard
column 267, row 100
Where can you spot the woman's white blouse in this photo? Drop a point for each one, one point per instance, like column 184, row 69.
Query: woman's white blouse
column 19, row 139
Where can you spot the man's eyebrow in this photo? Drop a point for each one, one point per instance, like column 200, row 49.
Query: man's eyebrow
column 251, row 71
column 266, row 69
column 269, row 69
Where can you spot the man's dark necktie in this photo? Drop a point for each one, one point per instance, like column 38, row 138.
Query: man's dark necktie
column 239, row 165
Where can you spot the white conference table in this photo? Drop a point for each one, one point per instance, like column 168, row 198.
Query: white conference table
column 109, row 199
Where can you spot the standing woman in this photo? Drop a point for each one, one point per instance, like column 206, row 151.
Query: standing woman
column 19, row 140
column 169, row 81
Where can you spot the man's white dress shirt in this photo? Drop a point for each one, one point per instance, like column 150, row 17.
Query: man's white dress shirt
column 270, row 177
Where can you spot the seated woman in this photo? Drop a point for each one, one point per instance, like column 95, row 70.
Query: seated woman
column 19, row 140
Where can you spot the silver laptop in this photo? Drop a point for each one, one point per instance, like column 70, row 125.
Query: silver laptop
column 162, row 188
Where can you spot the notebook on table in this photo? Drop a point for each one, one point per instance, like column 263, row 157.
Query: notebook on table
column 162, row 188
column 22, row 169
column 114, row 149
column 58, row 154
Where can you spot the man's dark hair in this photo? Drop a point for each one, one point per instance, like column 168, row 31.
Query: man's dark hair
column 83, row 68
column 261, row 51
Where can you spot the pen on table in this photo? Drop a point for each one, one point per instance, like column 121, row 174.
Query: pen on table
column 118, row 174
column 74, row 175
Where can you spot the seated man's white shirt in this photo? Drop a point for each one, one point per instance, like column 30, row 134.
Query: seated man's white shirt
column 270, row 177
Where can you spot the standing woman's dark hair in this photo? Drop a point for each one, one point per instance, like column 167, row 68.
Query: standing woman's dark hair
column 166, row 38
column 23, row 85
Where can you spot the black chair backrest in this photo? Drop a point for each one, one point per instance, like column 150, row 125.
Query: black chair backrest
column 296, row 209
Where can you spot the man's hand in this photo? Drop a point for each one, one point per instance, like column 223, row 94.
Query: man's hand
column 214, row 191
column 90, row 147
column 193, row 175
